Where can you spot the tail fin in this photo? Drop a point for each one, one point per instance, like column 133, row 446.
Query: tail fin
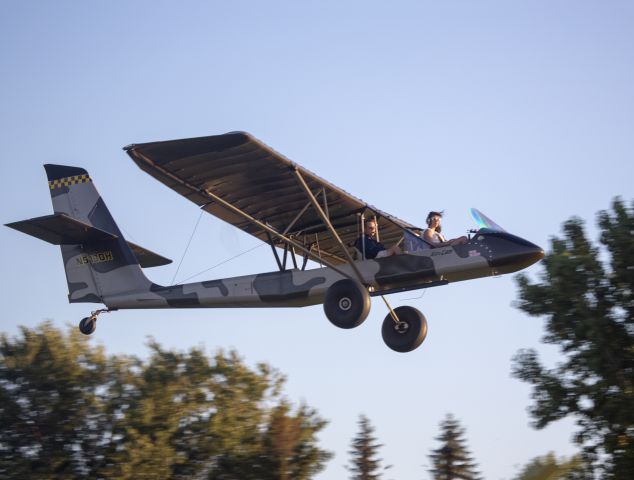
column 99, row 268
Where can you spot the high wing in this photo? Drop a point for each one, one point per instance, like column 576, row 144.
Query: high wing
column 241, row 180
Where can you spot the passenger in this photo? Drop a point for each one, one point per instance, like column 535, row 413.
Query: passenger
column 432, row 233
column 374, row 249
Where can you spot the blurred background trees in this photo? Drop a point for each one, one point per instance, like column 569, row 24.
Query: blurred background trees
column 365, row 463
column 452, row 459
column 549, row 468
column 585, row 294
column 67, row 410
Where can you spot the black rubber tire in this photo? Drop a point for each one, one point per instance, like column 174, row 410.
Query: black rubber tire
column 409, row 333
column 88, row 325
column 347, row 303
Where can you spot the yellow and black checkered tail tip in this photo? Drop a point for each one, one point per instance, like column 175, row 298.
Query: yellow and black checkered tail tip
column 63, row 176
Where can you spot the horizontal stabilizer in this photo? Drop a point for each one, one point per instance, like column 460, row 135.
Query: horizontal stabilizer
column 148, row 258
column 60, row 229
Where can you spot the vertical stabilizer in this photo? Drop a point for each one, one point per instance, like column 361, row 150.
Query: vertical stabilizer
column 97, row 269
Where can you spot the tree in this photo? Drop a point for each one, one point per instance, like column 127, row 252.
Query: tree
column 68, row 411
column 452, row 459
column 548, row 468
column 586, row 295
column 365, row 463
column 289, row 444
column 50, row 405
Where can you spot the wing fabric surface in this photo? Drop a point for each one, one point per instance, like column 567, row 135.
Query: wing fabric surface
column 253, row 177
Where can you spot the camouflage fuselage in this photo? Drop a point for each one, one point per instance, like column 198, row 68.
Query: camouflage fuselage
column 486, row 254
column 107, row 271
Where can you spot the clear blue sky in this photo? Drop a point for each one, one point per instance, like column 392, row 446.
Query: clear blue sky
column 524, row 110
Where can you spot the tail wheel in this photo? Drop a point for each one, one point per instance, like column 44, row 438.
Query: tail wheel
column 347, row 303
column 88, row 325
column 408, row 333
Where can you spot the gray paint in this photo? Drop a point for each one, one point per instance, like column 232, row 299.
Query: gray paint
column 108, row 272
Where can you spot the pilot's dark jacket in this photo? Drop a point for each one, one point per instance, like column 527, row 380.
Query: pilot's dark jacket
column 372, row 247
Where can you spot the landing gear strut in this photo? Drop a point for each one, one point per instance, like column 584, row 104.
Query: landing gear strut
column 89, row 324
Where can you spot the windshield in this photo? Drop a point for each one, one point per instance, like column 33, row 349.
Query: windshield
column 485, row 222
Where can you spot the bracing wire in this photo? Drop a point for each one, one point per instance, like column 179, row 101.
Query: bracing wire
column 187, row 247
column 222, row 263
column 415, row 298
column 318, row 250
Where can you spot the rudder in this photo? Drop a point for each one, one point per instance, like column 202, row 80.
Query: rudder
column 97, row 269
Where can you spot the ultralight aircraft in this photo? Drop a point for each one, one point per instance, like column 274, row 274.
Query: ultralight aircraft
column 244, row 182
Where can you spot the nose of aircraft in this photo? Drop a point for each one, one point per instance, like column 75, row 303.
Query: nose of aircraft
column 531, row 255
column 512, row 253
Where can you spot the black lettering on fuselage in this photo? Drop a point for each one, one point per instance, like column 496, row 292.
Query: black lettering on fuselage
column 98, row 257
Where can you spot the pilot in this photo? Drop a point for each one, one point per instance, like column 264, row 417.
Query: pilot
column 374, row 249
column 433, row 236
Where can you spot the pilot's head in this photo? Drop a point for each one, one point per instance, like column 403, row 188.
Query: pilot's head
column 433, row 221
column 370, row 227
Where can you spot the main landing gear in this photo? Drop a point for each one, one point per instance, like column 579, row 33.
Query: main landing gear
column 89, row 324
column 406, row 334
column 347, row 304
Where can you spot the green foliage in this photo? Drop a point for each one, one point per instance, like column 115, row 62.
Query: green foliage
column 548, row 468
column 288, row 444
column 67, row 411
column 365, row 463
column 589, row 309
column 452, row 459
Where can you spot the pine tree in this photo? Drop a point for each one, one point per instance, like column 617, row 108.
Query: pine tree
column 452, row 460
column 586, row 295
column 365, row 462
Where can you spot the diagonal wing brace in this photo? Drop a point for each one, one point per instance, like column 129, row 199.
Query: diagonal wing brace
column 272, row 231
column 215, row 198
column 326, row 221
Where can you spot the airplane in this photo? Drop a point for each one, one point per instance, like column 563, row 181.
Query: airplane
column 244, row 182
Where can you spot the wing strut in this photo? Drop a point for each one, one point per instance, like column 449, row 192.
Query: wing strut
column 326, row 221
column 272, row 231
column 298, row 216
column 215, row 198
column 292, row 249
column 281, row 266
